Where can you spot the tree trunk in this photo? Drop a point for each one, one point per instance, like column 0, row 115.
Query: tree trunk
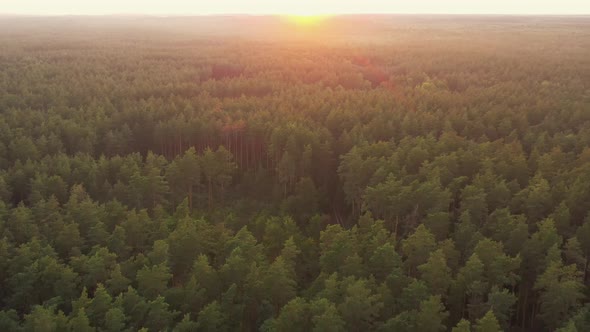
column 534, row 314
column 526, row 295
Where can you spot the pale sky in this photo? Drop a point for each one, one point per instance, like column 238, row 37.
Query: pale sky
column 297, row 7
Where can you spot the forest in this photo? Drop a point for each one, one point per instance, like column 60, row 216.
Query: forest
column 365, row 173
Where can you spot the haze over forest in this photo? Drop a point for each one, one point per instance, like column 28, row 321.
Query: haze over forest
column 294, row 172
column 300, row 7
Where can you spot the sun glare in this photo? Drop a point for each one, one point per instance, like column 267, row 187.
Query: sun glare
column 307, row 20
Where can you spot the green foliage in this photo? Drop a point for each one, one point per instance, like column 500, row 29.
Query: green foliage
column 80, row 322
column 115, row 320
column 488, row 323
column 360, row 307
column 325, row 316
column 432, row 315
column 40, row 319
column 462, row 326
column 153, row 281
column 211, row 318
column 294, row 316
column 193, row 181
column 561, row 293
column 435, row 273
column 417, row 247
column 502, row 302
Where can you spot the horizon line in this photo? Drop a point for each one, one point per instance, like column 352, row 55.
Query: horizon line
column 291, row 14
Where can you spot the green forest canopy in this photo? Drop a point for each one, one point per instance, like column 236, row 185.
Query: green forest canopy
column 386, row 173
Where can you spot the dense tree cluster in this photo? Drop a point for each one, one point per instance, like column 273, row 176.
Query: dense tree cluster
column 420, row 175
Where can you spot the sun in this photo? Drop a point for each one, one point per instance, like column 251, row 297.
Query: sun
column 307, row 20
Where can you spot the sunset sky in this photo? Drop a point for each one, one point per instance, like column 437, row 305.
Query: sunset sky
column 301, row 7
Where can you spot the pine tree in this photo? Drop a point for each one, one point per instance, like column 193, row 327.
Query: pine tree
column 488, row 323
